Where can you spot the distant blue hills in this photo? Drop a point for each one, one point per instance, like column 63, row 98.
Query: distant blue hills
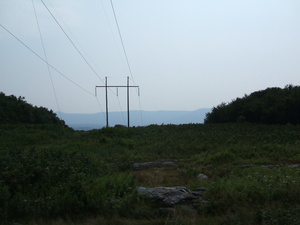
column 137, row 118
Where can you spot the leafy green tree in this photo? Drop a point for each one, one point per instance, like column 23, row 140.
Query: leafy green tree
column 269, row 106
column 15, row 110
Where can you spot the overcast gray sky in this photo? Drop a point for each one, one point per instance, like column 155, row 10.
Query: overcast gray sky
column 184, row 55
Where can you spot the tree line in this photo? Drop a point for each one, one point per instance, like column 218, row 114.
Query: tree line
column 15, row 110
column 270, row 106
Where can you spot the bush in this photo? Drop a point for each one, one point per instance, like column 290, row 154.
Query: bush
column 48, row 182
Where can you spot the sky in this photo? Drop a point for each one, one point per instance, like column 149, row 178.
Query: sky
column 183, row 55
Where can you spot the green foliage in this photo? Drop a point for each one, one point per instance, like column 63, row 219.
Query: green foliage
column 15, row 110
column 50, row 172
column 270, row 106
column 112, row 193
column 222, row 158
column 50, row 181
column 270, row 190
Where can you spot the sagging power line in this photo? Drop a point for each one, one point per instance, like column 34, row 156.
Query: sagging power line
column 41, row 58
column 46, row 58
column 127, row 61
column 121, row 39
column 71, row 41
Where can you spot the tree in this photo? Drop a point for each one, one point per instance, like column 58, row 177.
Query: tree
column 270, row 106
column 15, row 110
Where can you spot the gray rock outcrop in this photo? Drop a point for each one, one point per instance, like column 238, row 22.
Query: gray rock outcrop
column 171, row 196
column 202, row 176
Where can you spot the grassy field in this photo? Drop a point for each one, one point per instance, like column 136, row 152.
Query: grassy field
column 53, row 175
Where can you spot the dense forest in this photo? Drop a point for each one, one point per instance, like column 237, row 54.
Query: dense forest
column 269, row 106
column 15, row 110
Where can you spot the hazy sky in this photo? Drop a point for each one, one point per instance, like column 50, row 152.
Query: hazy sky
column 184, row 55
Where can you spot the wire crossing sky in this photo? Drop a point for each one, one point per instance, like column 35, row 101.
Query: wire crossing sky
column 121, row 39
column 184, row 55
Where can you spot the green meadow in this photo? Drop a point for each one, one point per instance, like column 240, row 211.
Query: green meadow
column 51, row 174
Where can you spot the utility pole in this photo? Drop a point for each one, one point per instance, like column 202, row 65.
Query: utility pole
column 106, row 100
column 106, row 97
column 128, row 101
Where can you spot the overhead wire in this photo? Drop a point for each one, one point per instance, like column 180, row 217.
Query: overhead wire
column 117, row 95
column 73, row 36
column 41, row 58
column 125, row 53
column 72, row 41
column 141, row 114
column 77, row 50
column 100, row 107
column 112, row 33
column 121, row 110
column 74, row 44
column 110, row 27
column 140, row 105
column 121, row 38
column 46, row 58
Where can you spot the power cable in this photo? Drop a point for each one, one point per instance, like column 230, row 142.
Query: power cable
column 112, row 34
column 46, row 58
column 121, row 110
column 71, row 41
column 69, row 30
column 120, row 35
column 116, row 94
column 140, row 105
column 100, row 107
column 74, row 37
column 141, row 115
column 41, row 58
column 125, row 53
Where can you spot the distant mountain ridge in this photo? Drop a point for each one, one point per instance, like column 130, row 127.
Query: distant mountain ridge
column 137, row 118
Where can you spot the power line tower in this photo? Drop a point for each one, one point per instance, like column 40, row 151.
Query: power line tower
column 106, row 86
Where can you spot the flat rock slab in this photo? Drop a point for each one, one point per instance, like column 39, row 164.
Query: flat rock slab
column 171, row 196
column 294, row 165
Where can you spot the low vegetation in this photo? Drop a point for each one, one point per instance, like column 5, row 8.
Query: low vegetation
column 51, row 174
